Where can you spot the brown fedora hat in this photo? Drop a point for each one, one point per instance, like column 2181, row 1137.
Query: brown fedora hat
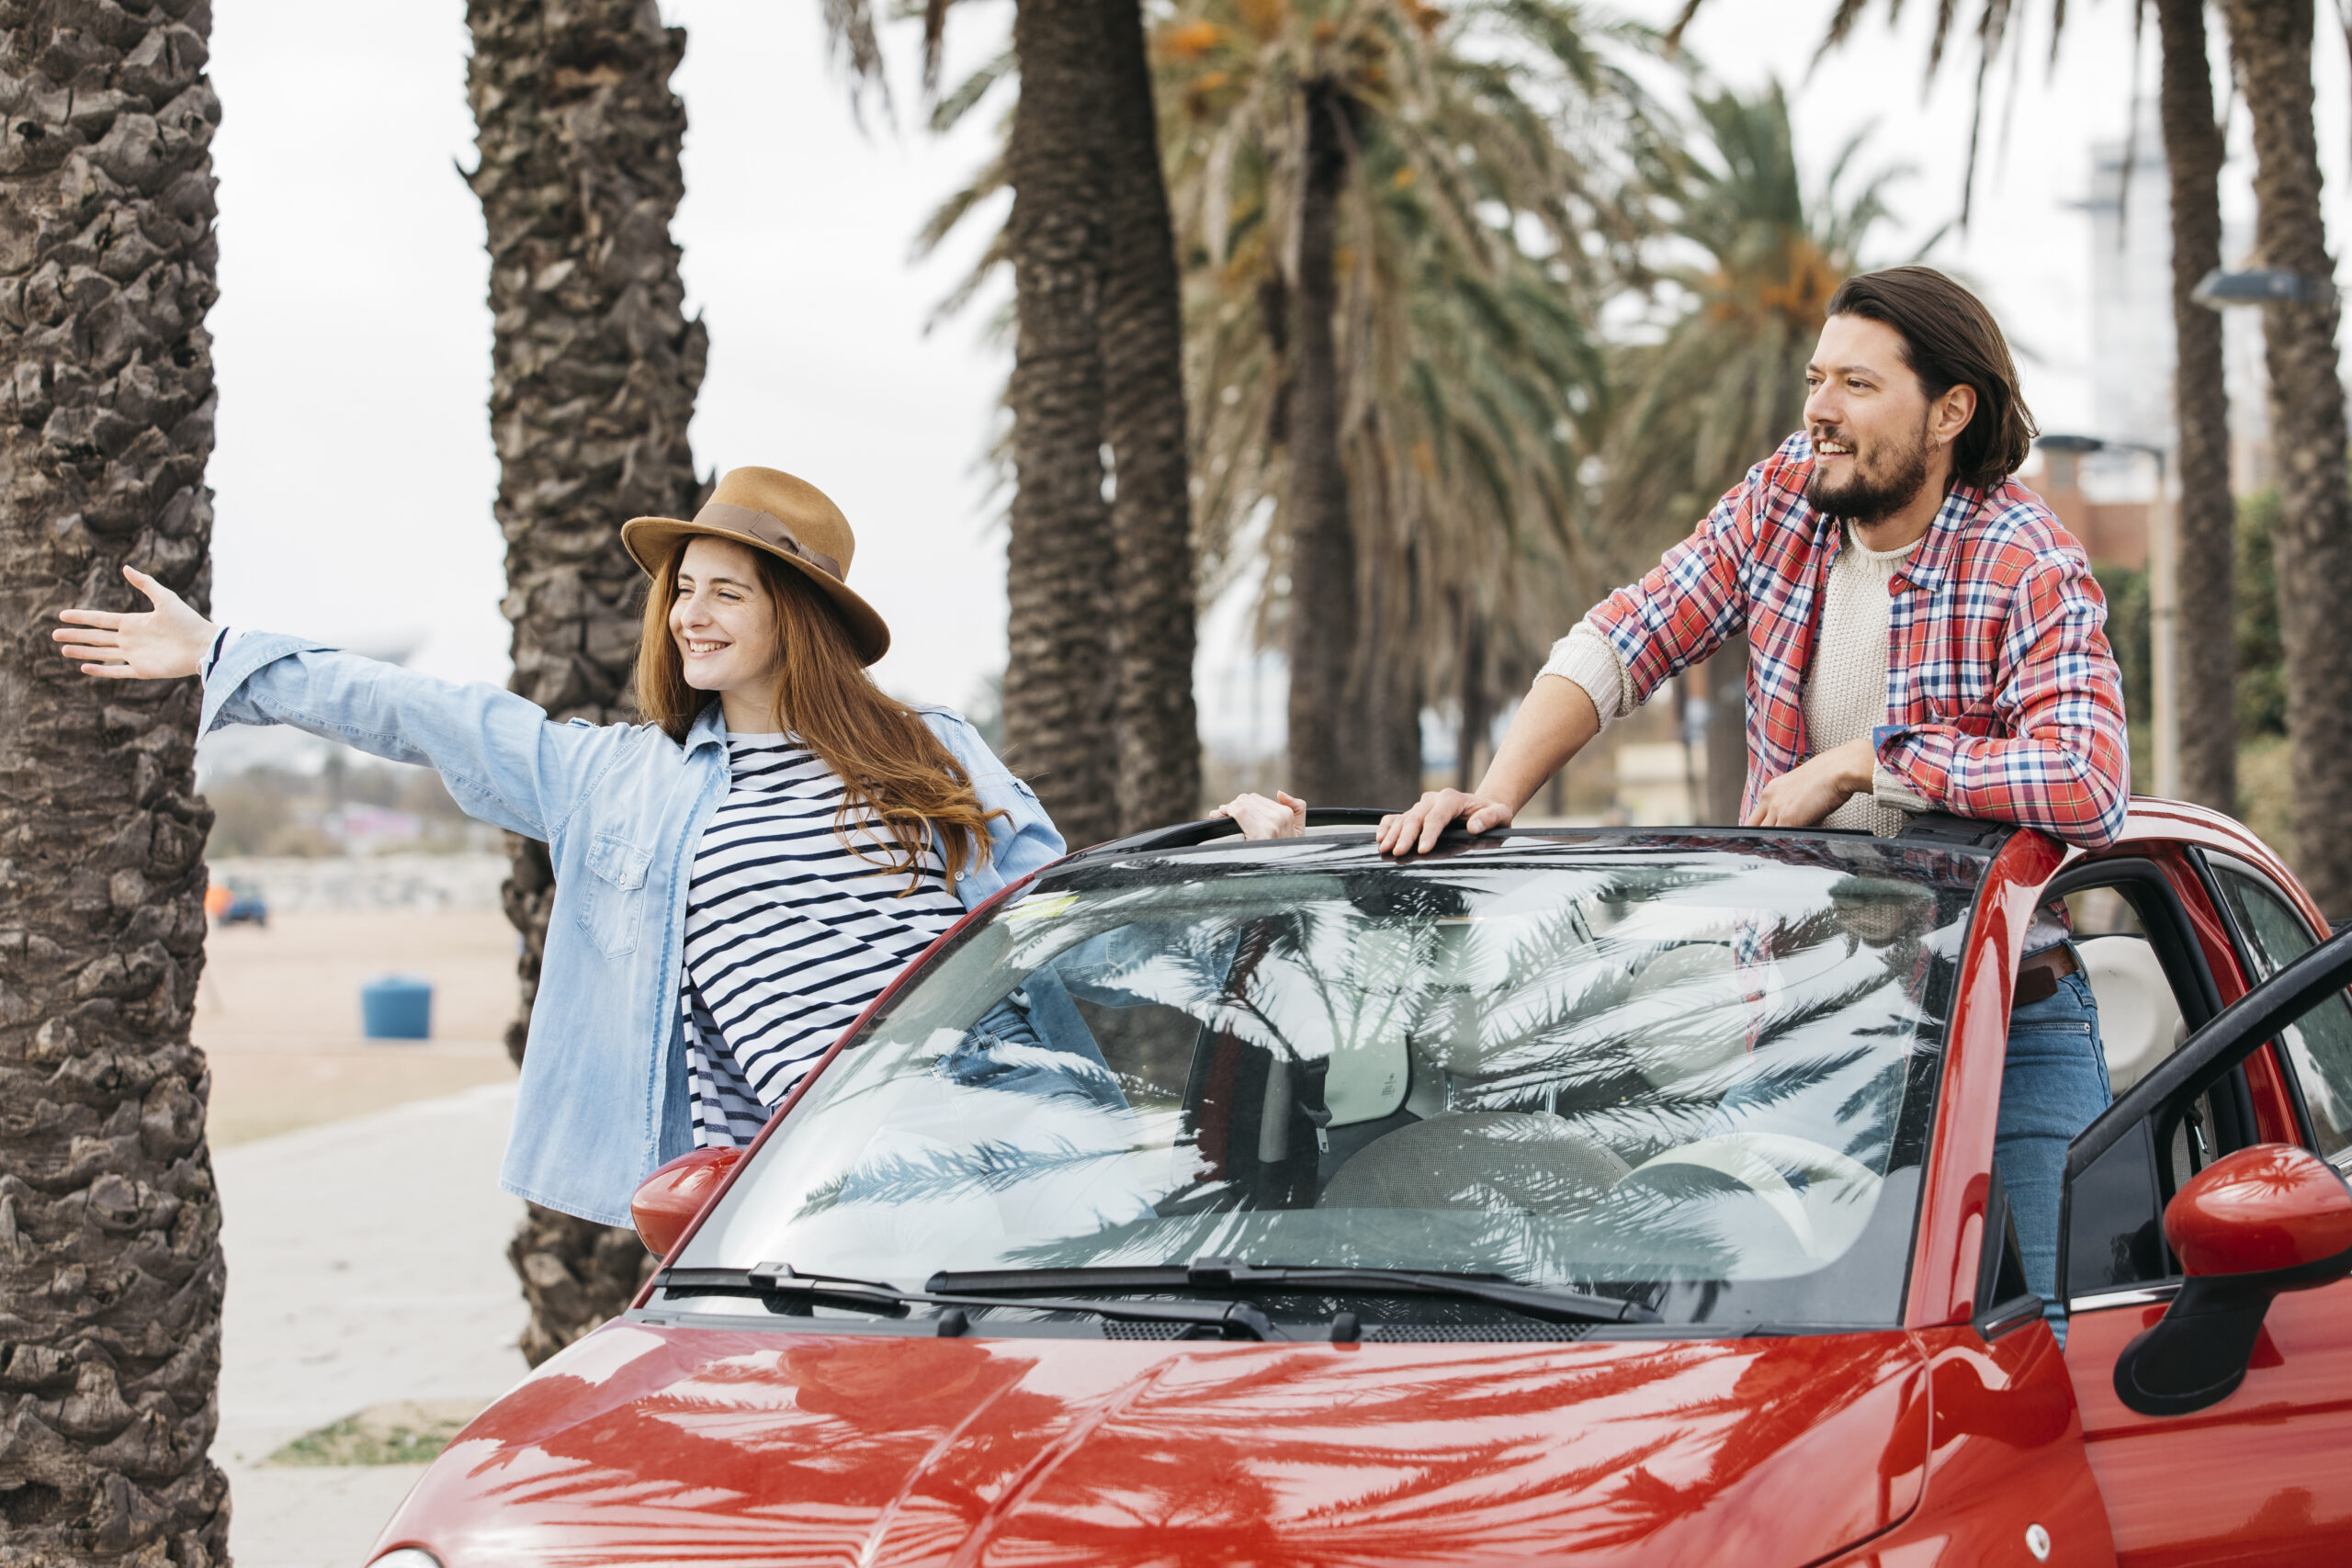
column 791, row 520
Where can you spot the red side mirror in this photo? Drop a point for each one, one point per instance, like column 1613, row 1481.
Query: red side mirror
column 2270, row 1207
column 668, row 1199
column 2248, row 1227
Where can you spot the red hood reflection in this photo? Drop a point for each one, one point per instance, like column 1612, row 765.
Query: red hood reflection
column 663, row 1445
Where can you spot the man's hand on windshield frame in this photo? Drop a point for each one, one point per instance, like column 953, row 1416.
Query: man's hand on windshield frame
column 1553, row 724
column 1807, row 795
column 1416, row 828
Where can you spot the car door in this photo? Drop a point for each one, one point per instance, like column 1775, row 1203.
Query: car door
column 2260, row 1478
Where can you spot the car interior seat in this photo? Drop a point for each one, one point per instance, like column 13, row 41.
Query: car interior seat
column 2139, row 1021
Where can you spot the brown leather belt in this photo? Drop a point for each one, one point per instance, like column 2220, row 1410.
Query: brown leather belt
column 2038, row 976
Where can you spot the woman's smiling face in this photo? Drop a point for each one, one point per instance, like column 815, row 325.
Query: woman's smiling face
column 723, row 619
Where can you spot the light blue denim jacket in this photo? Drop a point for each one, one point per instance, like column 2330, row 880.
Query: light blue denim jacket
column 603, row 1098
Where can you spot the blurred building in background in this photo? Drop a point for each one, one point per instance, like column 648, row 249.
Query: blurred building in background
column 2106, row 498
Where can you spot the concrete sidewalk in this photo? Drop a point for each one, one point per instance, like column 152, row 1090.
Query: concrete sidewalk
column 367, row 1264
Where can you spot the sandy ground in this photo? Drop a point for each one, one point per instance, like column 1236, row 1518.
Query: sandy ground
column 364, row 1229
column 367, row 1265
column 277, row 1013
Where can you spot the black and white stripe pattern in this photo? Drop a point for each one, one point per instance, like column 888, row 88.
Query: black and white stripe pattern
column 789, row 935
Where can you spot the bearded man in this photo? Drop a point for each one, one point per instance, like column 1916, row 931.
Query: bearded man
column 1923, row 635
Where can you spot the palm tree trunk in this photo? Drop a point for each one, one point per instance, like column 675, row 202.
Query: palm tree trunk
column 1478, row 709
column 594, row 374
column 1143, row 419
column 2270, row 42
column 1385, row 739
column 2208, row 512
column 1726, row 742
column 111, row 1264
column 1323, row 587
column 1059, row 682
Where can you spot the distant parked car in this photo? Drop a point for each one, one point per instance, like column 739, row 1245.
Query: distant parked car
column 1613, row 1197
column 244, row 906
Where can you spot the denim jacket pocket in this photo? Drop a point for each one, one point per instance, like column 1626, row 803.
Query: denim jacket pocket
column 612, row 906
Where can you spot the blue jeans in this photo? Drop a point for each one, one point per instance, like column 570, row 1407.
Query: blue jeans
column 2053, row 1086
column 1035, row 1041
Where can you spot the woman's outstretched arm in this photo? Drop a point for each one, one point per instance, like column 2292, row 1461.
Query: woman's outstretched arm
column 502, row 759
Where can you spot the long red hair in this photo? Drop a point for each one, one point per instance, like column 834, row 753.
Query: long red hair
column 887, row 757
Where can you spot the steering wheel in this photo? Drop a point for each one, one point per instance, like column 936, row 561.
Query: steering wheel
column 1825, row 1198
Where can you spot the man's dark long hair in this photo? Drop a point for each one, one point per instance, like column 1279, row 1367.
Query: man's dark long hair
column 1950, row 340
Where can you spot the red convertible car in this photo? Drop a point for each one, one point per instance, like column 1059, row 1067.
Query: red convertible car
column 1578, row 1197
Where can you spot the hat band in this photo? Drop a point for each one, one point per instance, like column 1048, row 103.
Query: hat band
column 767, row 530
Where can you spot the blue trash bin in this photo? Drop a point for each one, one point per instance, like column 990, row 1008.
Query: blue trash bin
column 396, row 1006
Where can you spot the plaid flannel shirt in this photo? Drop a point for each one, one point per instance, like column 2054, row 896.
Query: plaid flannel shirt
column 2003, row 699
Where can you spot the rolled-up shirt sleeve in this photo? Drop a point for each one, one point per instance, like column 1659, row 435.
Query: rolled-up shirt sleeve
column 1585, row 656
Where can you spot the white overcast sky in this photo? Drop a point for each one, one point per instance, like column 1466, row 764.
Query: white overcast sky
column 353, row 468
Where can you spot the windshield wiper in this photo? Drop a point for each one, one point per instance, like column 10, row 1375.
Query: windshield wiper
column 1227, row 1273
column 781, row 1281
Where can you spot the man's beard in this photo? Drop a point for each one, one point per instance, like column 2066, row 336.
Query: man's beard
column 1865, row 500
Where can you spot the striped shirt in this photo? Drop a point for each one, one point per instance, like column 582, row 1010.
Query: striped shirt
column 789, row 934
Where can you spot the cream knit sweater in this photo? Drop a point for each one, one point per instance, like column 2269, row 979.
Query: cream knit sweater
column 1845, row 692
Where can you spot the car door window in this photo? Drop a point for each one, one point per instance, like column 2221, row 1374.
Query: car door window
column 2320, row 1043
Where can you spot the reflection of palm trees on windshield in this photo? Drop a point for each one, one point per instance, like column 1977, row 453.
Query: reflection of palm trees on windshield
column 1639, row 1008
column 1585, row 1010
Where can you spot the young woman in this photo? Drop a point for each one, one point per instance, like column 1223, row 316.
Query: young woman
column 736, row 879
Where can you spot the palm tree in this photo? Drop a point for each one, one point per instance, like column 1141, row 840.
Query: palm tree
column 1725, row 384
column 1142, row 339
column 2207, row 508
column 595, row 370
column 1322, row 533
column 2271, row 45
column 2206, row 517
column 1380, row 355
column 1059, row 682
column 1098, row 690
column 110, row 1263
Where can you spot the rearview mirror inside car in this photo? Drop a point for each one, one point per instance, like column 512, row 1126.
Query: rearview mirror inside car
column 668, row 1200
column 2264, row 1219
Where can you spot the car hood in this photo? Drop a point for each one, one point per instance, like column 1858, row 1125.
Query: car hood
column 645, row 1444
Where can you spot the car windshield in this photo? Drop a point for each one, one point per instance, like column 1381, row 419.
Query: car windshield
column 1691, row 1073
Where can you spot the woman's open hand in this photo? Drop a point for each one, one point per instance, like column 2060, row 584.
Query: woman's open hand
column 166, row 641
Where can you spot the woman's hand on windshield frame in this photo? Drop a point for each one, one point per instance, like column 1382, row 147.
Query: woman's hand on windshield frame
column 1284, row 817
column 160, row 644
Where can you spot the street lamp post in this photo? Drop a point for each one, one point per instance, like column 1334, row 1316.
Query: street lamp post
column 2164, row 606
